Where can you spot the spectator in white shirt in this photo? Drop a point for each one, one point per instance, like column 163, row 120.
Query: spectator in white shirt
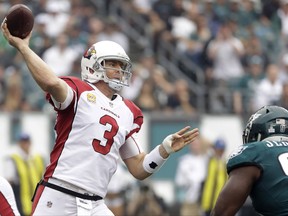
column 60, row 57
column 269, row 89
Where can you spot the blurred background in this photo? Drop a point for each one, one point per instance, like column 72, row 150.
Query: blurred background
column 204, row 63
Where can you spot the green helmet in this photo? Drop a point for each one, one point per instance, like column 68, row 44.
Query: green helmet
column 267, row 121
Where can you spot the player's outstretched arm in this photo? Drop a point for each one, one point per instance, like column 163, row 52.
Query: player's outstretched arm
column 236, row 190
column 143, row 165
column 40, row 71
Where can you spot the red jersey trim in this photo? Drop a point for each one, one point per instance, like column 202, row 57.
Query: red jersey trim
column 64, row 121
column 38, row 194
column 5, row 207
column 138, row 116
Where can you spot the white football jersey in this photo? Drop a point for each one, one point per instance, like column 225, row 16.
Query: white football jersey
column 7, row 199
column 89, row 133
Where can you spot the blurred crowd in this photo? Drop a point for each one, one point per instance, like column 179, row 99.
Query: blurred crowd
column 240, row 46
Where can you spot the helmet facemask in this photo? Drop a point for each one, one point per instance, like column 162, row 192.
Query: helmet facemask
column 124, row 73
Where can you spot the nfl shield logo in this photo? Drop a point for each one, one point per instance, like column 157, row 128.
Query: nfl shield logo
column 49, row 204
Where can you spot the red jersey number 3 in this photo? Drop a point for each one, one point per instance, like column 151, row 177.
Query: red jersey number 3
column 104, row 148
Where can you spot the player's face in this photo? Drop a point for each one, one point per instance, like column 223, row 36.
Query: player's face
column 113, row 69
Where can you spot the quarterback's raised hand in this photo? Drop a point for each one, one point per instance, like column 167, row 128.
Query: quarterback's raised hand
column 177, row 141
column 14, row 41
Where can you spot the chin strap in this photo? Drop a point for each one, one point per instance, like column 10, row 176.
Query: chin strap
column 115, row 86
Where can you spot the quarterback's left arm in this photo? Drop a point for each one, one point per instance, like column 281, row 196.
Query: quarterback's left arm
column 236, row 190
column 142, row 165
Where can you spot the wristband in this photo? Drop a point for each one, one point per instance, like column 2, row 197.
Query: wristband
column 167, row 144
column 153, row 161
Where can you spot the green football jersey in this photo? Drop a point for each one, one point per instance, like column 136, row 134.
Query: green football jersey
column 270, row 193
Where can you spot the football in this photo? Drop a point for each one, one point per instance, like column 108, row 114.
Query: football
column 20, row 20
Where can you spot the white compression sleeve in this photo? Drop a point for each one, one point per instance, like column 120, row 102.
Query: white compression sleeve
column 153, row 161
column 131, row 147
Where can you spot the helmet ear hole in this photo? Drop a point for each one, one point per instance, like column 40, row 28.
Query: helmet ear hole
column 96, row 66
column 255, row 137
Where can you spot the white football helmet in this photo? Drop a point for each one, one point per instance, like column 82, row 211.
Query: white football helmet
column 93, row 64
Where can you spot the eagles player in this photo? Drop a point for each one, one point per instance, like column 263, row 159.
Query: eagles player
column 259, row 168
